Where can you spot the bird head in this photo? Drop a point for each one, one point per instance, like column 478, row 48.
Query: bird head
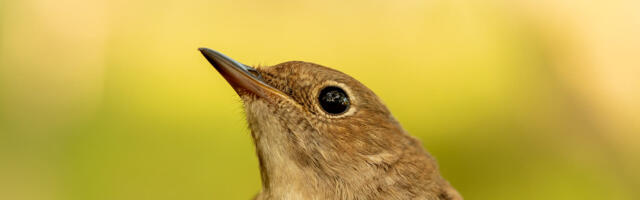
column 311, row 121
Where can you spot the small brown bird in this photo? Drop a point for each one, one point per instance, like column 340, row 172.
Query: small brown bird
column 320, row 134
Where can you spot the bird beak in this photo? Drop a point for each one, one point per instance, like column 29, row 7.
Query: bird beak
column 241, row 77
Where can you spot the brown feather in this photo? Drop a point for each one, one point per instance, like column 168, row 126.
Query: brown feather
column 305, row 153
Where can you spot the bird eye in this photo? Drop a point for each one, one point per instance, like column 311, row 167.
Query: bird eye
column 333, row 100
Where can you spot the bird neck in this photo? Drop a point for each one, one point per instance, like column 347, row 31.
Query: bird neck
column 283, row 178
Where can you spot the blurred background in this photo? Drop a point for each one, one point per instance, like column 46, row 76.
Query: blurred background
column 110, row 99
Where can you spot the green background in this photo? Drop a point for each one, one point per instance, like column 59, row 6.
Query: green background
column 110, row 99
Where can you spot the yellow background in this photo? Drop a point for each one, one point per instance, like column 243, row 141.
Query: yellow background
column 109, row 99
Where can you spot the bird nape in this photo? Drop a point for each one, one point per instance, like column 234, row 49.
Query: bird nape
column 321, row 134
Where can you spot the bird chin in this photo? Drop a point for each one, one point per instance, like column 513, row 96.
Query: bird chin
column 269, row 135
column 260, row 115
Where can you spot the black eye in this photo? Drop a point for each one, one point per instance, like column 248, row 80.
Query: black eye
column 334, row 100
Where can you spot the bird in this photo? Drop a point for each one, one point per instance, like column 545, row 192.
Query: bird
column 321, row 134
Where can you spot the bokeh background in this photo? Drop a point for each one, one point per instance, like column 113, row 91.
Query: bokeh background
column 109, row 99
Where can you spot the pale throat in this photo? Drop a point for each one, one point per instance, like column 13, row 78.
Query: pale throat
column 280, row 173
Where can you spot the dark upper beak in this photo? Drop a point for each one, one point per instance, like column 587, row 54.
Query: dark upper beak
column 241, row 77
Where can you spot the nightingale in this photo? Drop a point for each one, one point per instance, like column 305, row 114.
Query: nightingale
column 321, row 134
